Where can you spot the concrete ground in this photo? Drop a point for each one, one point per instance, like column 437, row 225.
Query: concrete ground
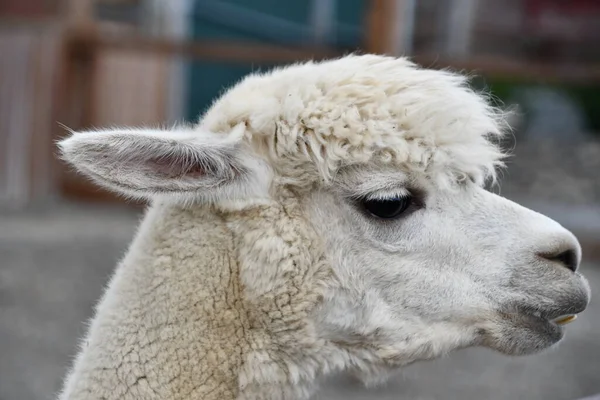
column 54, row 262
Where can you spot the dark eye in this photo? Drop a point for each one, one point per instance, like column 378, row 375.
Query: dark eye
column 387, row 208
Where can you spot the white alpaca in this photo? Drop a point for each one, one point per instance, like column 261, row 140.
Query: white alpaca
column 323, row 217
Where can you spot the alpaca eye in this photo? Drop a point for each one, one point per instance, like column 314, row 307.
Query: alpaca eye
column 387, row 208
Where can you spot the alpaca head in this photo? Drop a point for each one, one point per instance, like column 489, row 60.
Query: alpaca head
column 388, row 163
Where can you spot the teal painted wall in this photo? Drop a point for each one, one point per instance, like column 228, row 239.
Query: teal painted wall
column 207, row 80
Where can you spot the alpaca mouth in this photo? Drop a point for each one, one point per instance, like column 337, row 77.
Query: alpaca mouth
column 530, row 331
column 561, row 320
column 557, row 317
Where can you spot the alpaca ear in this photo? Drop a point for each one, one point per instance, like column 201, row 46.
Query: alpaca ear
column 145, row 163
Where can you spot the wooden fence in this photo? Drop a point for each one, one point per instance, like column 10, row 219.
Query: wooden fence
column 124, row 89
column 83, row 77
column 29, row 67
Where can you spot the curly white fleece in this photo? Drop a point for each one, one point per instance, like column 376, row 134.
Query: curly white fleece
column 311, row 119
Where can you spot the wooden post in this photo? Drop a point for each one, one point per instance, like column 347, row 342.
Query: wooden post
column 79, row 63
column 390, row 26
column 378, row 26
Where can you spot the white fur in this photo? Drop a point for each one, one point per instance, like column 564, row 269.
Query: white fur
column 257, row 271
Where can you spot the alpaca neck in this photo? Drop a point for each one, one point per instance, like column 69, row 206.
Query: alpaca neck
column 171, row 324
column 174, row 324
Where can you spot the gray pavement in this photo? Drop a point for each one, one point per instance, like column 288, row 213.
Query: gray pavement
column 54, row 263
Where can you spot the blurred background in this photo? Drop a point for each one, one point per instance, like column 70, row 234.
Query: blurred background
column 97, row 63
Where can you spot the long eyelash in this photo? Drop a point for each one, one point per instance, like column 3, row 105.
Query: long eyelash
column 417, row 198
column 387, row 196
column 380, row 195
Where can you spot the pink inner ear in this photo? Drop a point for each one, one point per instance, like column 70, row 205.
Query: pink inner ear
column 166, row 168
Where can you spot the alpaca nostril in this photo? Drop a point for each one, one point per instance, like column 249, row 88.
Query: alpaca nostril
column 567, row 258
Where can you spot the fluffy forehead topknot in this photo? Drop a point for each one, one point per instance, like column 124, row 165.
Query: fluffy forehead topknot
column 311, row 119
